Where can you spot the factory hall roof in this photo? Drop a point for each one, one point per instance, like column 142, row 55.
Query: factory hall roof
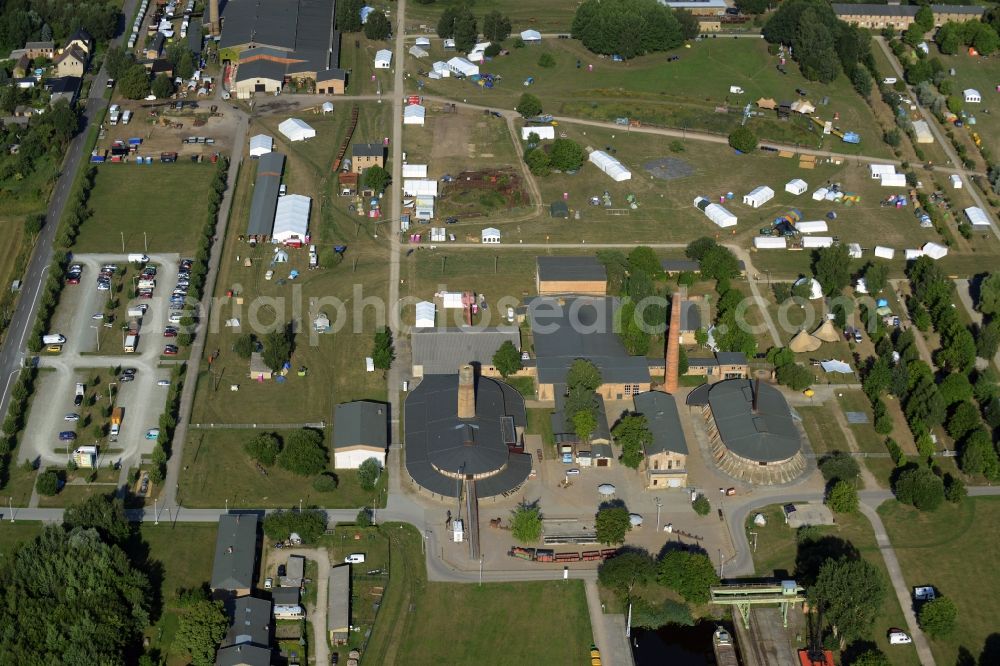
column 767, row 434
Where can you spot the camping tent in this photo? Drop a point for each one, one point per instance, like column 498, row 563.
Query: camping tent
column 425, row 315
column 720, row 216
column 383, row 59
column 977, row 216
column 260, row 144
column 291, row 219
column 827, row 332
column 813, row 242
column 934, row 250
column 296, row 130
column 815, row 289
column 531, row 36
column 609, row 165
column 854, row 250
column 414, row 171
column 543, row 131
column 893, row 180
column 883, row 252
column 491, row 236
column 414, row 114
column 812, row 227
column 796, row 186
column 758, row 196
column 803, row 342
column 770, row 242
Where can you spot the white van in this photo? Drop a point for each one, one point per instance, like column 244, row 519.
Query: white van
column 355, row 558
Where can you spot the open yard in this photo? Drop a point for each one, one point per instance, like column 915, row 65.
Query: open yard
column 776, row 551
column 514, row 623
column 684, row 93
column 217, row 471
column 954, row 549
column 156, row 208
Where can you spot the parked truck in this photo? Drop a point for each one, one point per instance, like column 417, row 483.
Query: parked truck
column 117, row 414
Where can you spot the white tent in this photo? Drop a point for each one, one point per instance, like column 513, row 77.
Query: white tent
column 491, row 236
column 418, row 52
column 758, row 196
column 935, row 250
column 383, row 59
column 420, row 187
column 543, row 132
column 854, row 250
column 796, row 186
column 260, row 144
column 879, row 170
column 820, row 194
column 609, row 165
column 414, row 171
column 720, row 216
column 296, row 130
column 883, row 252
column 812, row 227
column 414, row 114
column 291, row 219
column 893, row 180
column 531, row 36
column 770, row 242
column 977, row 216
column 462, row 67
column 815, row 289
column 423, row 42
column 812, row 242
column 425, row 314
column 441, row 68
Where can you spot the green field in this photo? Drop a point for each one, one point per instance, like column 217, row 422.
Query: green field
column 776, row 555
column 166, row 202
column 508, row 623
column 953, row 549
column 217, row 471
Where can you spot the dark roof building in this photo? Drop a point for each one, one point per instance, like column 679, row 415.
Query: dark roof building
column 235, row 554
column 446, row 445
column 440, row 351
column 265, row 194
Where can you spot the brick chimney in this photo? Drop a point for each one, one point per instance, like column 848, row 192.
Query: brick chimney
column 466, row 392
column 673, row 359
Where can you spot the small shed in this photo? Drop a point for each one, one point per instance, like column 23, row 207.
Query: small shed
column 977, row 216
column 425, row 315
column 491, row 236
column 883, row 252
column 758, row 196
column 296, row 130
column 559, row 209
column 414, row 114
column 770, row 243
column 259, row 371
column 383, row 59
column 956, row 181
column 796, row 186
column 543, row 132
column 812, row 227
column 260, row 144
column 972, row 96
column 531, row 37
column 894, row 180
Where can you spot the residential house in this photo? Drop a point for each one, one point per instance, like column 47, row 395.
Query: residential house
column 366, row 155
column 666, row 454
column 235, row 555
column 360, row 432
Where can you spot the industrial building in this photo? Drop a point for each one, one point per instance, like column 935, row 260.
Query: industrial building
column 585, row 276
column 360, row 432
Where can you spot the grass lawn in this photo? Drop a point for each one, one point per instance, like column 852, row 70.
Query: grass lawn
column 416, row 624
column 953, row 549
column 217, row 470
column 166, row 202
column 776, row 553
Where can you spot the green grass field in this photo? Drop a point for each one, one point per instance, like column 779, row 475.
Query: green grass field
column 776, row 552
column 166, row 202
column 514, row 623
column 953, row 549
column 217, row 470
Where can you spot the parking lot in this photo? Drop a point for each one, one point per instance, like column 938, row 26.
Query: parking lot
column 142, row 398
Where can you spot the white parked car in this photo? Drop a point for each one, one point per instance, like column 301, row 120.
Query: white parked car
column 355, row 558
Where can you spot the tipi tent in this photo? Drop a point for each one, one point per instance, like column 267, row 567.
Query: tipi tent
column 827, row 332
column 803, row 342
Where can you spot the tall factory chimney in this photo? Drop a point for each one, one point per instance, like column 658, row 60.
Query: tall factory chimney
column 213, row 16
column 466, row 392
column 673, row 359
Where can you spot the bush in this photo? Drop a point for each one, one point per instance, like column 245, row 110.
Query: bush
column 325, row 483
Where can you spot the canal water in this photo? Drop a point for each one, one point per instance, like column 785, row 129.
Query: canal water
column 674, row 645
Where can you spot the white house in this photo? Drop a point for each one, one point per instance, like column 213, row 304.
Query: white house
column 383, row 59
column 296, row 130
column 414, row 170
column 972, row 96
column 977, row 216
column 423, row 42
column 894, row 180
column 531, row 37
column 420, row 187
column 425, row 314
column 796, row 186
column 260, row 144
column 491, row 236
column 609, row 165
column 414, row 114
column 758, row 196
column 879, row 170
column 291, row 219
column 543, row 132
column 462, row 67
